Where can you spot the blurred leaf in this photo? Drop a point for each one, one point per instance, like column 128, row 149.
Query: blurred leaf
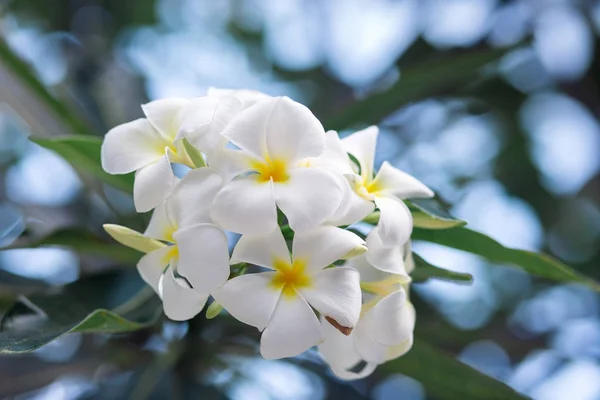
column 482, row 245
column 445, row 378
column 81, row 241
column 417, row 83
column 83, row 153
column 424, row 271
column 427, row 214
column 108, row 303
column 21, row 69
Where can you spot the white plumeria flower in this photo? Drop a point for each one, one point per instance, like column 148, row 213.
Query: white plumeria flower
column 279, row 302
column 275, row 137
column 384, row 330
column 149, row 145
column 192, row 258
column 387, row 189
column 246, row 97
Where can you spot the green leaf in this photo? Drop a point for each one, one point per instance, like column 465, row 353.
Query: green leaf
column 424, row 271
column 22, row 70
column 426, row 213
column 446, row 378
column 416, row 83
column 107, row 303
column 431, row 214
column 477, row 243
column 213, row 310
column 83, row 153
column 194, row 154
column 81, row 241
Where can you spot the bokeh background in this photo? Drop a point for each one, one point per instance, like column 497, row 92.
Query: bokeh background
column 515, row 151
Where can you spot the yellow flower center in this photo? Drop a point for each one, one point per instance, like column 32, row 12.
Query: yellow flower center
column 172, row 253
column 290, row 277
column 367, row 188
column 275, row 169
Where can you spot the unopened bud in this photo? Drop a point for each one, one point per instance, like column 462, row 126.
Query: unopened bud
column 357, row 251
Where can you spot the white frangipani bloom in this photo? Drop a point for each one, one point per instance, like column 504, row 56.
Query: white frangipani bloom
column 192, row 258
column 384, row 330
column 278, row 302
column 275, row 137
column 149, row 145
column 245, row 96
column 387, row 189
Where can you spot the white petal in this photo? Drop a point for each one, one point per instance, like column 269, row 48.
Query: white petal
column 261, row 250
column 133, row 239
column 246, row 206
column 338, row 351
column 308, row 198
column 164, row 115
column 248, row 129
column 388, row 259
column 247, row 97
column 293, row 329
column 249, row 298
column 322, row 246
column 203, row 256
column 162, row 223
column 402, row 348
column 193, row 197
column 352, row 209
column 152, row 265
column 205, row 118
column 361, row 145
column 395, row 223
column 367, row 347
column 336, row 294
column 131, row 146
column 293, row 132
column 367, row 272
column 334, row 157
column 153, row 184
column 230, row 163
column 180, row 302
column 394, row 182
column 409, row 262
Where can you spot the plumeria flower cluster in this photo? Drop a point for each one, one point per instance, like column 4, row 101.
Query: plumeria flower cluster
column 263, row 167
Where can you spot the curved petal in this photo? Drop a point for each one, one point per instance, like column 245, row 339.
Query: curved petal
column 392, row 320
column 361, row 145
column 245, row 96
column 339, row 353
column 403, row 348
column 308, row 198
column 353, row 208
column 203, row 256
column 164, row 115
column 192, row 198
column 153, row 184
column 367, row 347
column 409, row 262
column 162, row 224
column 367, row 272
column 336, row 294
column 334, row 157
column 131, row 146
column 248, row 129
column 130, row 238
column 395, row 223
column 324, row 245
column 246, row 206
column 249, row 298
column 180, row 302
column 205, row 118
column 230, row 163
column 152, row 265
column 261, row 250
column 293, row 329
column 394, row 182
column 388, row 259
column 293, row 132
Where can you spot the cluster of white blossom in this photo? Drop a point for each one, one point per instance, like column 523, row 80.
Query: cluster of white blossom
column 264, row 167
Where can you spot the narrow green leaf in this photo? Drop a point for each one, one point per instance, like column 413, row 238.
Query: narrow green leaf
column 83, row 153
column 194, row 154
column 81, row 241
column 477, row 243
column 424, row 271
column 108, row 303
column 446, row 378
column 416, row 83
column 426, row 213
column 22, row 70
